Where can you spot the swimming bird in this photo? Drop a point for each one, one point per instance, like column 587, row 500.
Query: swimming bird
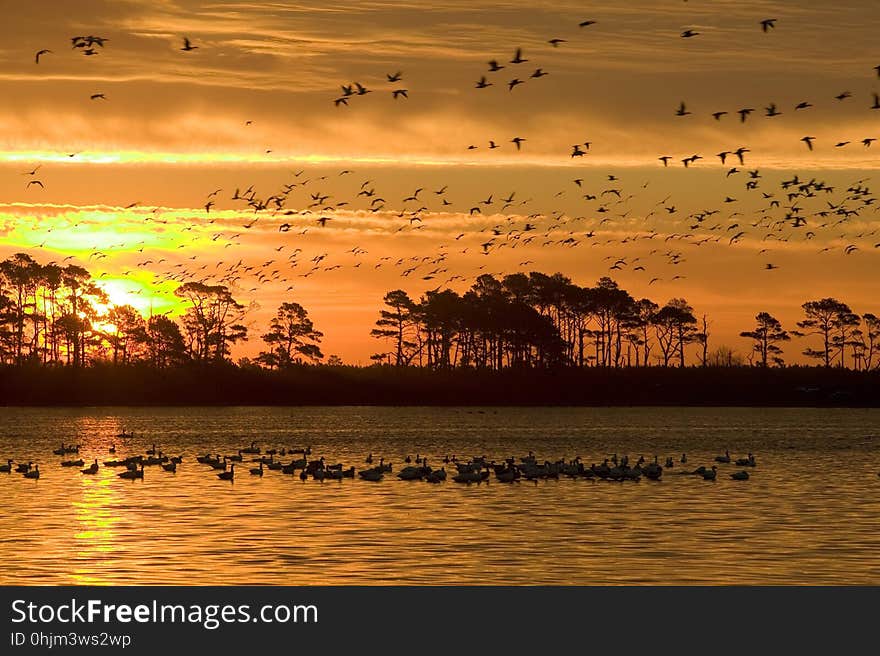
column 258, row 471
column 132, row 474
column 7, row 468
column 33, row 473
column 725, row 458
column 740, row 475
column 228, row 475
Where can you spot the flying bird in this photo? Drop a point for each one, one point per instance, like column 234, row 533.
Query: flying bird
column 187, row 45
column 40, row 53
column 768, row 24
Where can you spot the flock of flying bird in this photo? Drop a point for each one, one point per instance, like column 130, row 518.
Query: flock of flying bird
column 613, row 211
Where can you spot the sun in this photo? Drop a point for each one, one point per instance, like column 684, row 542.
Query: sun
column 142, row 296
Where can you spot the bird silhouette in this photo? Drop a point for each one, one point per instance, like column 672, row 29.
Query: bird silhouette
column 518, row 58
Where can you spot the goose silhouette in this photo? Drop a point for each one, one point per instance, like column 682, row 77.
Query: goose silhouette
column 227, row 475
column 132, row 474
column 33, row 473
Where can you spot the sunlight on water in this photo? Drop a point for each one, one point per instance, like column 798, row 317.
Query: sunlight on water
column 809, row 514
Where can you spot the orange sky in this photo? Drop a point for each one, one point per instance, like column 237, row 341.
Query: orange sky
column 173, row 128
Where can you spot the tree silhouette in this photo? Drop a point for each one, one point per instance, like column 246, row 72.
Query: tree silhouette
column 767, row 333
column 164, row 342
column 675, row 326
column 866, row 342
column 291, row 338
column 822, row 319
column 397, row 323
column 212, row 320
column 127, row 333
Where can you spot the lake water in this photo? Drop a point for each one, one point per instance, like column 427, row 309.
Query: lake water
column 809, row 514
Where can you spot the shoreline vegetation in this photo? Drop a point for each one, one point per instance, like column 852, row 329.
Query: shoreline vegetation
column 519, row 340
column 139, row 385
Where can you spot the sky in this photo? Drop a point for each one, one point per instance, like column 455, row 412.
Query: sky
column 125, row 176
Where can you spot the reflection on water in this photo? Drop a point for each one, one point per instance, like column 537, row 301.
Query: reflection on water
column 809, row 514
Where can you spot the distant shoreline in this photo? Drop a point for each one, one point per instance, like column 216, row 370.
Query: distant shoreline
column 388, row 386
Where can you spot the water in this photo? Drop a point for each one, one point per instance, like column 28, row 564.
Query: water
column 809, row 514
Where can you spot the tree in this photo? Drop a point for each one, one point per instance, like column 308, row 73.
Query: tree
column 164, row 342
column 78, row 311
column 724, row 356
column 702, row 338
column 768, row 332
column 21, row 273
column 212, row 322
column 291, row 338
column 675, row 327
column 869, row 338
column 126, row 332
column 821, row 319
column 397, row 323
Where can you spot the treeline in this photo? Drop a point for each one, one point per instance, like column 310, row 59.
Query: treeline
column 540, row 321
column 59, row 315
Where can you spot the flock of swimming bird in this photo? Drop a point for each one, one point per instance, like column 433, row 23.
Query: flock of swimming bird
column 616, row 212
column 256, row 462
